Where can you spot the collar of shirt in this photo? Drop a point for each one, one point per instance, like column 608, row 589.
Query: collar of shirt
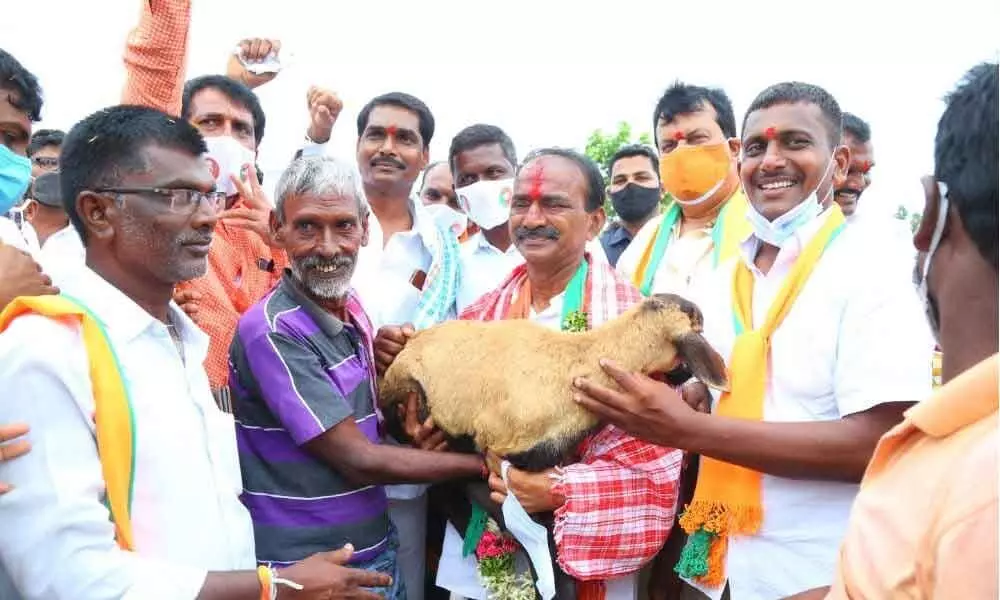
column 617, row 234
column 126, row 319
column 327, row 321
column 964, row 400
column 789, row 251
column 478, row 243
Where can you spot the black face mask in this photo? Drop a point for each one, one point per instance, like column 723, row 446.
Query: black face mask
column 633, row 202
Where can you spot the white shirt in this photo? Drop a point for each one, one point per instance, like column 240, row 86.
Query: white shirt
column 187, row 519
column 484, row 267
column 63, row 251
column 686, row 259
column 23, row 237
column 856, row 337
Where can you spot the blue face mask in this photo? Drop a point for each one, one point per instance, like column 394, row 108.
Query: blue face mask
column 15, row 175
column 778, row 231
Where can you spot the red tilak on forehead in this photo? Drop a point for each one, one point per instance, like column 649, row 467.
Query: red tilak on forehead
column 536, row 175
column 391, row 130
column 867, row 166
column 678, row 136
column 770, row 133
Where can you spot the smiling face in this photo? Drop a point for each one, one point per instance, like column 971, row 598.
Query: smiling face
column 150, row 240
column 548, row 217
column 787, row 156
column 858, row 175
column 391, row 154
column 322, row 235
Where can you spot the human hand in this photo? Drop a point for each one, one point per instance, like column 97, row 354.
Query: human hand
column 253, row 50
column 255, row 212
column 696, row 394
column 324, row 108
column 532, row 490
column 20, row 275
column 323, row 577
column 16, row 447
column 426, row 435
column 648, row 409
column 389, row 342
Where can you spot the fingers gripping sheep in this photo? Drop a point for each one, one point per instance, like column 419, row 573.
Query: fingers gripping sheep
column 507, row 385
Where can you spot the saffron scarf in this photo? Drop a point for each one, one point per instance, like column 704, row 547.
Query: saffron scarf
column 113, row 416
column 727, row 497
column 731, row 227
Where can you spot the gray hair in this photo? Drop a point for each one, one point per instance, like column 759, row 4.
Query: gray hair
column 319, row 176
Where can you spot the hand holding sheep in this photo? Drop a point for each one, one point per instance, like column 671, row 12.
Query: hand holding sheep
column 425, row 436
column 648, row 409
column 389, row 341
column 532, row 490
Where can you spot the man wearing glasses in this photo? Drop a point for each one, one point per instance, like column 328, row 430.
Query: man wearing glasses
column 141, row 197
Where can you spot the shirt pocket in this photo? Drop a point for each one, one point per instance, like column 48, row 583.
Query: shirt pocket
column 221, row 431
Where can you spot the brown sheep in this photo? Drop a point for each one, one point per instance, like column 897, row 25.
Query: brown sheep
column 507, row 385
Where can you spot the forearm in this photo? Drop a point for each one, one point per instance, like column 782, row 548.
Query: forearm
column 385, row 464
column 836, row 450
column 155, row 56
column 230, row 585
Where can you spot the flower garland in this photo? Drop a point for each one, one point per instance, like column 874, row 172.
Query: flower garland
column 497, row 571
column 575, row 322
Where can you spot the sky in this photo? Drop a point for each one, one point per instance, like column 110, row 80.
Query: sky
column 548, row 72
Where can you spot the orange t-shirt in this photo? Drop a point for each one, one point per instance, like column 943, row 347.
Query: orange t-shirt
column 242, row 269
column 924, row 524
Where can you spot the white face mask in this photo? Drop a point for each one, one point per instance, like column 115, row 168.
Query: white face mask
column 448, row 218
column 778, row 231
column 227, row 157
column 487, row 202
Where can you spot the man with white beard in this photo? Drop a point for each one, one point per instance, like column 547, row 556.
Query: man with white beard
column 303, row 383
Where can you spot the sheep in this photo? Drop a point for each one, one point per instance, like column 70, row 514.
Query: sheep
column 507, row 385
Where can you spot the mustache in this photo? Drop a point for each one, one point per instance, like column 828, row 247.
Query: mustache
column 341, row 261
column 544, row 233
column 395, row 162
column 194, row 237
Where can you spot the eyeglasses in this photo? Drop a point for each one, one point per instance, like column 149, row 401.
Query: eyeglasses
column 181, row 200
column 48, row 162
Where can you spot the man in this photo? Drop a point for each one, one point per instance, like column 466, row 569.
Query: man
column 140, row 195
column 436, row 186
column 303, row 364
column 929, row 496
column 409, row 273
column 243, row 263
column 603, row 537
column 483, row 159
column 635, row 196
column 695, row 132
column 43, row 150
column 45, row 209
column 781, row 455
column 858, row 139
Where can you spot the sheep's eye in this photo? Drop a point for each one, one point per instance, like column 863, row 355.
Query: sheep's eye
column 678, row 376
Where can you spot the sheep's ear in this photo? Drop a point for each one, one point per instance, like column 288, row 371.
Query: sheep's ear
column 704, row 362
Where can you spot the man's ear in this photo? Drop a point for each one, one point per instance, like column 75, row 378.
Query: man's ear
column 275, row 225
column 735, row 145
column 597, row 220
column 30, row 210
column 842, row 160
column 99, row 214
column 932, row 204
column 425, row 157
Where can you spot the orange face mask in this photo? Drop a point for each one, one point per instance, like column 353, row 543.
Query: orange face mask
column 692, row 174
